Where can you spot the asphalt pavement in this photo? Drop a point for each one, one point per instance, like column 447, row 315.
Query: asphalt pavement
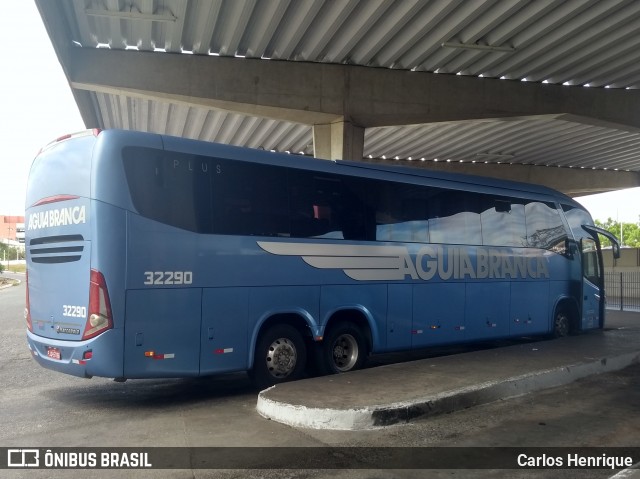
column 43, row 409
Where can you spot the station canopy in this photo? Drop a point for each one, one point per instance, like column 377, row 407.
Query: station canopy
column 546, row 91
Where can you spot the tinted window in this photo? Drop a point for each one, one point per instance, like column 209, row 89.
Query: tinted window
column 576, row 217
column 207, row 195
column 210, row 195
column 544, row 227
column 171, row 188
column 454, row 217
column 399, row 211
column 326, row 206
column 503, row 223
column 250, row 199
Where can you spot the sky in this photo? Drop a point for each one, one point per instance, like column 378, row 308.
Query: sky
column 35, row 100
column 622, row 206
column 37, row 107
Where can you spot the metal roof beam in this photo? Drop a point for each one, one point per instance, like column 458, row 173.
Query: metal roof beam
column 571, row 181
column 313, row 93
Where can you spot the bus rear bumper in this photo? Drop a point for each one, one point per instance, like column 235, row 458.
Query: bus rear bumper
column 100, row 356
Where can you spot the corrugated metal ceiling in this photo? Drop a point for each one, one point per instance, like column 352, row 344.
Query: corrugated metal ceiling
column 577, row 43
column 526, row 141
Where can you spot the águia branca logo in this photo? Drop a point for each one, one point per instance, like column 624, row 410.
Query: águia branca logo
column 394, row 263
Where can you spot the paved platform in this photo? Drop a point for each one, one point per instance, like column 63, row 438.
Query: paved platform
column 398, row 393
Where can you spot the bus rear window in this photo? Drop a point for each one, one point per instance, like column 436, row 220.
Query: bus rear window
column 171, row 188
column 221, row 196
column 206, row 194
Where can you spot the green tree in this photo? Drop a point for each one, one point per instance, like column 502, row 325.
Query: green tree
column 630, row 232
column 15, row 253
column 10, row 252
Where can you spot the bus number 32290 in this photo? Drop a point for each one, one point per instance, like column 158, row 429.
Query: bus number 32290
column 168, row 277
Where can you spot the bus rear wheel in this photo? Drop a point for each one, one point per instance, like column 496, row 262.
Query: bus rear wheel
column 343, row 349
column 280, row 356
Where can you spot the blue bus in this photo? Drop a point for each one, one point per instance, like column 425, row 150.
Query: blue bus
column 151, row 256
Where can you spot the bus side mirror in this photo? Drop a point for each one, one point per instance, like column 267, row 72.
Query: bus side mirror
column 594, row 231
column 570, row 247
column 616, row 249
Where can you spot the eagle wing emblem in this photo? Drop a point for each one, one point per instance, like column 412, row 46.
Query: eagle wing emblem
column 362, row 263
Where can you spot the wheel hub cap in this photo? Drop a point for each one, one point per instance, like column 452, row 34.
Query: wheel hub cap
column 281, row 358
column 345, row 352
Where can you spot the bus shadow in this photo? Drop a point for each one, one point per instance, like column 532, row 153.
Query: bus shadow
column 155, row 393
column 178, row 393
column 448, row 350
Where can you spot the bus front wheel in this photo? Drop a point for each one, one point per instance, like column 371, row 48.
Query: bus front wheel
column 561, row 324
column 343, row 349
column 280, row 356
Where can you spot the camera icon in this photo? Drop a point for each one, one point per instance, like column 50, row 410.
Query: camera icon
column 23, row 458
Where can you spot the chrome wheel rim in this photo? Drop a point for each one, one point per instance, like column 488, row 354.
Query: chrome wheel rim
column 281, row 358
column 345, row 352
column 562, row 325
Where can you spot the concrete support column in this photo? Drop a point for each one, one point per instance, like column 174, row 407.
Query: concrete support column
column 340, row 140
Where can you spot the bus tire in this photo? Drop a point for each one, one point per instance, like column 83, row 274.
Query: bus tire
column 343, row 349
column 561, row 324
column 280, row 356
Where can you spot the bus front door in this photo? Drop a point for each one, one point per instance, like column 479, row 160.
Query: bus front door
column 592, row 294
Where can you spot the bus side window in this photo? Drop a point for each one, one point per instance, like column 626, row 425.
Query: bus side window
column 250, row 199
column 577, row 217
column 326, row 206
column 545, row 228
column 399, row 211
column 454, row 217
column 503, row 223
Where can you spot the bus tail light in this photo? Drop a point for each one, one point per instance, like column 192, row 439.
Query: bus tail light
column 27, row 308
column 100, row 318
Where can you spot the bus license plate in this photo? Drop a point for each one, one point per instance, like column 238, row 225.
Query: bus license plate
column 54, row 353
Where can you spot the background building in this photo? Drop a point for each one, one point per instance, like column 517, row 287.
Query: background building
column 12, row 228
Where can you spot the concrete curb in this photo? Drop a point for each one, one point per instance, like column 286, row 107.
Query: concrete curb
column 376, row 416
column 11, row 285
column 631, row 473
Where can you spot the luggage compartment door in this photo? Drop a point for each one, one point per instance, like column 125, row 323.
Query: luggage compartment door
column 162, row 333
